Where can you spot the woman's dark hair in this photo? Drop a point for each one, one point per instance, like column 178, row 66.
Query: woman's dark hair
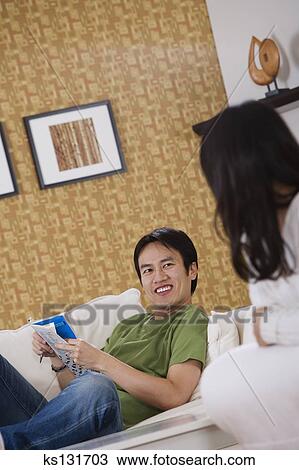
column 246, row 154
column 171, row 238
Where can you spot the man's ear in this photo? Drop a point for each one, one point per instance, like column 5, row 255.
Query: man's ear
column 193, row 270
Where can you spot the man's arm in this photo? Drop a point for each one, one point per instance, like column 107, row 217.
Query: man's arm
column 162, row 393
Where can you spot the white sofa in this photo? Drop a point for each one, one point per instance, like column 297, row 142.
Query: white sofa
column 184, row 427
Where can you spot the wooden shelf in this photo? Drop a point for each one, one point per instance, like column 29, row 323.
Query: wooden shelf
column 285, row 97
column 276, row 101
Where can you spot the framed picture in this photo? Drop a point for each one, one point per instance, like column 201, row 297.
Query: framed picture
column 8, row 183
column 74, row 144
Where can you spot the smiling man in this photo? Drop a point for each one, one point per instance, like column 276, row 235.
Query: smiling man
column 167, row 274
column 152, row 362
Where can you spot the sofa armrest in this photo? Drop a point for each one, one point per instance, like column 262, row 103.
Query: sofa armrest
column 181, row 432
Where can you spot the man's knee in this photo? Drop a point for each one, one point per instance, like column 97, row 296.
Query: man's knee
column 97, row 393
column 97, row 385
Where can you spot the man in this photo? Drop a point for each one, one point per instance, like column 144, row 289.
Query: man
column 152, row 362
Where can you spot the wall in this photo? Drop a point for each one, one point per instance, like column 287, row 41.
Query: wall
column 155, row 60
column 234, row 23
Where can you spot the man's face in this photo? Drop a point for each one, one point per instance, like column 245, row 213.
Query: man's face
column 164, row 277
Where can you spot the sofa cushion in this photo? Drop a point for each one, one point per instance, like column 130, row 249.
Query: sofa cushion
column 222, row 336
column 93, row 321
column 96, row 320
column 15, row 346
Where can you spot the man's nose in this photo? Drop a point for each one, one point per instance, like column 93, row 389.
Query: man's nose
column 159, row 275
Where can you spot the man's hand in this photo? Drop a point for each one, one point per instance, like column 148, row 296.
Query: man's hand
column 84, row 354
column 40, row 347
column 256, row 319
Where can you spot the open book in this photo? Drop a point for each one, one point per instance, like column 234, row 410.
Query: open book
column 49, row 334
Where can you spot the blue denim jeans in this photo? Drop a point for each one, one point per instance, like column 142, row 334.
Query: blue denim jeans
column 88, row 407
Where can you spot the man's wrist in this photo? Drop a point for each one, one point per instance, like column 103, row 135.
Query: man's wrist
column 105, row 363
column 58, row 369
column 56, row 362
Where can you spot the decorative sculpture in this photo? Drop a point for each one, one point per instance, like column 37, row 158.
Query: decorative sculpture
column 270, row 61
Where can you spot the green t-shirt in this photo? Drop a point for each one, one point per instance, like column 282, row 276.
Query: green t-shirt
column 152, row 346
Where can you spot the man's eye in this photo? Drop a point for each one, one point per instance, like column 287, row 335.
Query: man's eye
column 146, row 271
column 167, row 265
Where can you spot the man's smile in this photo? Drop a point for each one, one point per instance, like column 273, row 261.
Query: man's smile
column 162, row 290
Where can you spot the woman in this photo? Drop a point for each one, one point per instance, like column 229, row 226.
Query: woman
column 251, row 162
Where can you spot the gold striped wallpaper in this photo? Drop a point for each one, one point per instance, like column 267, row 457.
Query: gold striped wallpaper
column 156, row 62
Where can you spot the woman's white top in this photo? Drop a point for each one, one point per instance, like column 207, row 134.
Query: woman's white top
column 282, row 296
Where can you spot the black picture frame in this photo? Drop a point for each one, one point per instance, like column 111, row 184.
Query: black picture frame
column 8, row 182
column 75, row 144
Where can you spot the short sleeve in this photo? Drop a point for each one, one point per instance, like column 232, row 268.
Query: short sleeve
column 190, row 338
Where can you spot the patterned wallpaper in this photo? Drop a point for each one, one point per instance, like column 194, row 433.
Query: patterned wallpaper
column 156, row 61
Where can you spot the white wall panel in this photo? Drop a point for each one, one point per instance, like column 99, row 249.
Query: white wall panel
column 234, row 22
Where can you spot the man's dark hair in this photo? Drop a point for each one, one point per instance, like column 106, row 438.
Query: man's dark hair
column 171, row 238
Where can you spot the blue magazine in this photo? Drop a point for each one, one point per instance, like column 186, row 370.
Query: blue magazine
column 62, row 327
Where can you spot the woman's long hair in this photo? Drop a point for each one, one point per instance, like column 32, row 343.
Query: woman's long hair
column 246, row 153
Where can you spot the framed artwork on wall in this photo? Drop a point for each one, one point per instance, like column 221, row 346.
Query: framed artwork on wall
column 8, row 183
column 74, row 144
